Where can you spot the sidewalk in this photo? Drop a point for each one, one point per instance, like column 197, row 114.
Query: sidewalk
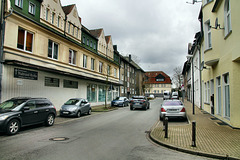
column 212, row 139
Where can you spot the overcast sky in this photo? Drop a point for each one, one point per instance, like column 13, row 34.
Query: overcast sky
column 156, row 31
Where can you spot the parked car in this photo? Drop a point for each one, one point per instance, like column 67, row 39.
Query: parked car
column 139, row 102
column 172, row 108
column 24, row 111
column 166, row 95
column 175, row 95
column 75, row 107
column 120, row 101
column 151, row 96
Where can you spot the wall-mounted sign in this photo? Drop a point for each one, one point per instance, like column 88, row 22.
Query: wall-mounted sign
column 25, row 74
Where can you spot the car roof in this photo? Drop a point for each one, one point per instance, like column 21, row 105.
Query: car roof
column 138, row 96
column 25, row 98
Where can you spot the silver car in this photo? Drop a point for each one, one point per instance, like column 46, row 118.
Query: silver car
column 75, row 107
column 172, row 108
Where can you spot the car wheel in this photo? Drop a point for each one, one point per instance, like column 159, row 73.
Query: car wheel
column 123, row 104
column 131, row 108
column 13, row 127
column 90, row 111
column 78, row 114
column 50, row 120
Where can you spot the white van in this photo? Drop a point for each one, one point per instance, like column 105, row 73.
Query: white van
column 166, row 95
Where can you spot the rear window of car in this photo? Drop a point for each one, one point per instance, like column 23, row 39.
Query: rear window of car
column 175, row 94
column 138, row 97
column 172, row 103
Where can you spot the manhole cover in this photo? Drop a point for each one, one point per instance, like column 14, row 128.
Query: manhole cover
column 59, row 139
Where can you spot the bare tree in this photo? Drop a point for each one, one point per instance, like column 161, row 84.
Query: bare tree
column 177, row 76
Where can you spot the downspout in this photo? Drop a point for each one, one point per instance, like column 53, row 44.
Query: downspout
column 65, row 25
column 200, row 74
column 2, row 42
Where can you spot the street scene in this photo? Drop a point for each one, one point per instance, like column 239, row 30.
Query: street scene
column 118, row 134
column 120, row 79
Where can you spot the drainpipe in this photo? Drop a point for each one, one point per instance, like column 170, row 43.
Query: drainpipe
column 200, row 74
column 2, row 42
column 65, row 25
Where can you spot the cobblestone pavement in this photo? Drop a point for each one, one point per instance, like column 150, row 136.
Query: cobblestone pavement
column 212, row 139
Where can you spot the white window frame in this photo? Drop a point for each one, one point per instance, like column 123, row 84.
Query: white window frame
column 53, row 44
column 72, row 55
column 59, row 21
column 108, row 69
column 218, row 96
column 31, row 8
column 84, row 61
column 227, row 18
column 47, row 13
column 226, row 108
column 115, row 72
column 19, row 3
column 208, row 35
column 25, row 40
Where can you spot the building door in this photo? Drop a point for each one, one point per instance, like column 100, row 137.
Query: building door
column 212, row 96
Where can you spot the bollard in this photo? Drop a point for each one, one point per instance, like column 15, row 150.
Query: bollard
column 166, row 127
column 193, row 133
column 164, row 116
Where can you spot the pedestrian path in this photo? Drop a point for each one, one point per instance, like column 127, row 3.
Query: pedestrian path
column 212, row 139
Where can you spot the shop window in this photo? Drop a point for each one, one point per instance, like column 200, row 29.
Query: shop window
column 70, row 84
column 92, row 93
column 25, row 40
column 101, row 94
column 51, row 82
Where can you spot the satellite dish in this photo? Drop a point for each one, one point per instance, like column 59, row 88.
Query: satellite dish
column 216, row 23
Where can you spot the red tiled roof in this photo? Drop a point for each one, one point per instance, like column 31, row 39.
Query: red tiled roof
column 108, row 38
column 68, row 9
column 96, row 32
column 152, row 77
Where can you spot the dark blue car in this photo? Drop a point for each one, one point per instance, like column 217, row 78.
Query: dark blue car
column 120, row 101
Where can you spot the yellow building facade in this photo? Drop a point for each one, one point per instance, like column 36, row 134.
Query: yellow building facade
column 221, row 56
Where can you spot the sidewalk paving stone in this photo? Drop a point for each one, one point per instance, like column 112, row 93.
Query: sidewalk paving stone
column 212, row 139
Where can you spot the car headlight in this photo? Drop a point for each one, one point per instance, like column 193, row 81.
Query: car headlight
column 3, row 117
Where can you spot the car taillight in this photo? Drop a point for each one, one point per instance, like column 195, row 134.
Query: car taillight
column 163, row 110
column 142, row 100
column 54, row 107
column 183, row 110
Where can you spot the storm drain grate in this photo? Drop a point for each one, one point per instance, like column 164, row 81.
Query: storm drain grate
column 59, row 139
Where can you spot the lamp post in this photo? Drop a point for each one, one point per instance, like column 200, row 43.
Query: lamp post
column 193, row 108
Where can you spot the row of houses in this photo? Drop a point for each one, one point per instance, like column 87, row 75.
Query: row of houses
column 47, row 52
column 212, row 71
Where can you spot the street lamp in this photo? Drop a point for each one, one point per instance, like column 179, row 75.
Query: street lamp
column 188, row 57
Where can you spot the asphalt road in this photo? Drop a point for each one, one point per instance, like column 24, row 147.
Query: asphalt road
column 115, row 135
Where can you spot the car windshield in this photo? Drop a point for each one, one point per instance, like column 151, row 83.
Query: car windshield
column 120, row 98
column 11, row 104
column 72, row 102
column 172, row 103
column 165, row 94
column 175, row 94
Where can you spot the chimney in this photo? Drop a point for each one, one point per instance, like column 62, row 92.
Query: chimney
column 130, row 58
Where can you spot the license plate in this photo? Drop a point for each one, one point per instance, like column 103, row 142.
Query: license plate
column 172, row 110
column 65, row 112
column 137, row 103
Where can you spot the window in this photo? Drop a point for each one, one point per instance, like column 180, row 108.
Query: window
column 205, row 91
column 88, row 42
column 208, row 91
column 100, row 67
column 69, row 27
column 73, row 31
column 94, row 46
column 59, row 21
column 47, row 13
column 19, row 3
column 92, row 93
column 52, row 50
column 32, row 8
column 53, row 18
column 108, row 70
column 25, row 40
column 226, row 95
column 92, row 64
column 72, row 57
column 122, row 77
column 101, row 93
column 227, row 17
column 84, row 39
column 70, row 84
column 77, row 33
column 51, row 82
column 84, row 61
column 115, row 72
column 219, row 99
column 208, row 42
column 91, row 44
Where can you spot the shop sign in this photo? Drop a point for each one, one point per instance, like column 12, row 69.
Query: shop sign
column 25, row 74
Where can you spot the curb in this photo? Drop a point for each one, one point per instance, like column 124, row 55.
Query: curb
column 198, row 153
